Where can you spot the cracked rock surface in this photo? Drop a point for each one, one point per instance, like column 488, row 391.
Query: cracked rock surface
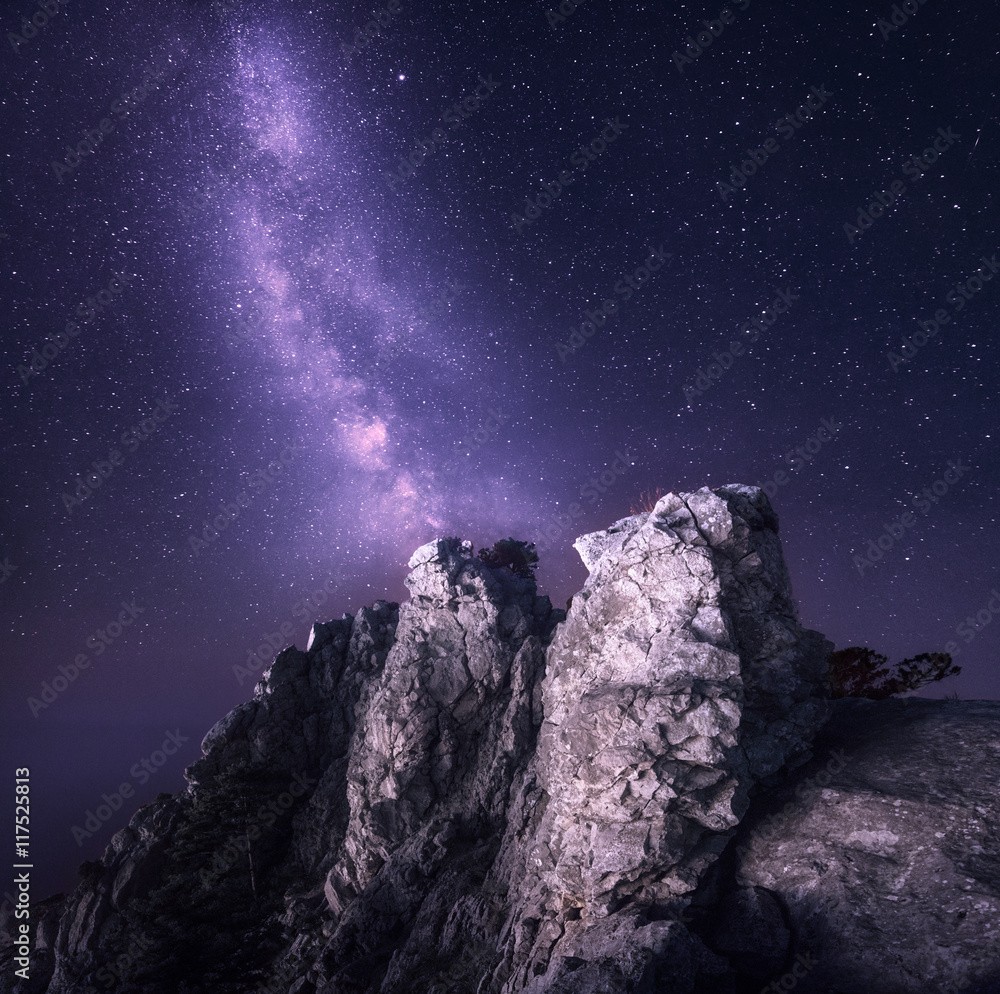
column 474, row 793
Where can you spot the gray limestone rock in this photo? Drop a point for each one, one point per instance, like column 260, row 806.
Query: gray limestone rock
column 680, row 678
column 883, row 853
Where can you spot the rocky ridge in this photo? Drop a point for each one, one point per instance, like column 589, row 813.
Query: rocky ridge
column 475, row 792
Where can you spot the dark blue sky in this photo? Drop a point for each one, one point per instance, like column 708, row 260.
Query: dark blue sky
column 297, row 300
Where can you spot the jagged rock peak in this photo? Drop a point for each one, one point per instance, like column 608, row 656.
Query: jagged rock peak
column 680, row 678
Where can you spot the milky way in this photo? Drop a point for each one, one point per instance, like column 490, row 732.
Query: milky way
column 293, row 291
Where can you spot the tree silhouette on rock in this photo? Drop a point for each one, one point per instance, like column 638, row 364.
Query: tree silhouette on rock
column 862, row 672
column 212, row 915
column 519, row 557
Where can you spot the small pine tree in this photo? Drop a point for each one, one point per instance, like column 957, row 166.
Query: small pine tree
column 861, row 672
column 519, row 557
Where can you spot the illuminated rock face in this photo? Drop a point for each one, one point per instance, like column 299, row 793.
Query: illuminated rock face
column 474, row 792
column 680, row 677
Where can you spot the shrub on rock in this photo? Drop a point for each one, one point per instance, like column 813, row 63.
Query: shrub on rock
column 519, row 557
column 862, row 672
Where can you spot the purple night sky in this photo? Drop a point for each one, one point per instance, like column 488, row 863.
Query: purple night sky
column 288, row 297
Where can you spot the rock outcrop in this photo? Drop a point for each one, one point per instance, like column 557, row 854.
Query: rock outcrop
column 879, row 859
column 679, row 678
column 475, row 792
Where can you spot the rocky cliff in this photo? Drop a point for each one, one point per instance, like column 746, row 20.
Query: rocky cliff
column 475, row 793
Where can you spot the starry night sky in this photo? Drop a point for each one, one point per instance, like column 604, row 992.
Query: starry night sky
column 288, row 346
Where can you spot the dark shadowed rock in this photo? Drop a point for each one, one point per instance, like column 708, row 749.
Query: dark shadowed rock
column 883, row 852
column 749, row 928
